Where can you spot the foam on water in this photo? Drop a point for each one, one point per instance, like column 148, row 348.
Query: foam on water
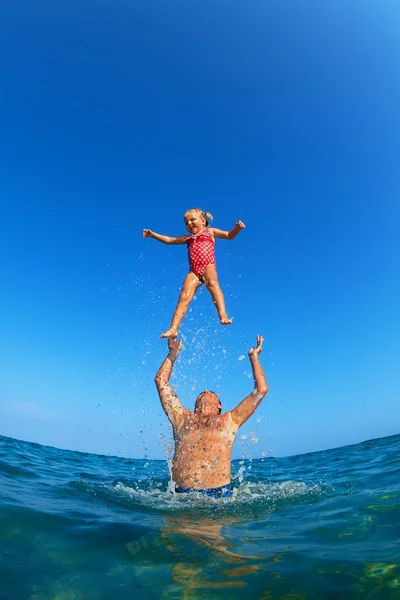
column 258, row 494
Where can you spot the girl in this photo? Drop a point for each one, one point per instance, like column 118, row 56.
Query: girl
column 200, row 242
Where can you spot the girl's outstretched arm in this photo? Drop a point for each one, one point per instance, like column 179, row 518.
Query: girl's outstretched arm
column 228, row 235
column 165, row 239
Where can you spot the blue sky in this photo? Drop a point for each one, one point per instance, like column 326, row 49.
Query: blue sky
column 120, row 115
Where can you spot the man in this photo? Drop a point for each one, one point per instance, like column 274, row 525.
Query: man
column 204, row 439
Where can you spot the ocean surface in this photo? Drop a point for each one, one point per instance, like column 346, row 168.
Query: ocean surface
column 81, row 526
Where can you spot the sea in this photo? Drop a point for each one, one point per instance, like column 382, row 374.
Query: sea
column 76, row 526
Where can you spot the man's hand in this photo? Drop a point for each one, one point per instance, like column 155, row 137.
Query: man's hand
column 239, row 225
column 175, row 346
column 257, row 350
column 147, row 233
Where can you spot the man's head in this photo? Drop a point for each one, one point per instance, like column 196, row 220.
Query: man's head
column 208, row 403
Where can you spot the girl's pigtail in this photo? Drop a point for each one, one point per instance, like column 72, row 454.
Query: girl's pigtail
column 208, row 216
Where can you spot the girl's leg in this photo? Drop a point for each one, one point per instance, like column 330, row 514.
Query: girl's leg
column 189, row 287
column 211, row 280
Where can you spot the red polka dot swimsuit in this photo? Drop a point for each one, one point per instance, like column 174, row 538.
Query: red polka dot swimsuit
column 201, row 252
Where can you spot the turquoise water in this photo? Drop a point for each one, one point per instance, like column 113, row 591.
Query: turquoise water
column 81, row 526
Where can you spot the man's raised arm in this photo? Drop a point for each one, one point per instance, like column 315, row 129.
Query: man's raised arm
column 245, row 409
column 169, row 400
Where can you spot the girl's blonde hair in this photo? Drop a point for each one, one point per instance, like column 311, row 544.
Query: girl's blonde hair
column 206, row 215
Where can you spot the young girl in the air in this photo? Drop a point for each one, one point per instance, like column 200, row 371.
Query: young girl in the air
column 200, row 243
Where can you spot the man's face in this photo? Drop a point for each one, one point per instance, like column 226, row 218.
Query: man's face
column 208, row 403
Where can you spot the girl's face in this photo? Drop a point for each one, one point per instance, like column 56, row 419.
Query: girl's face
column 194, row 221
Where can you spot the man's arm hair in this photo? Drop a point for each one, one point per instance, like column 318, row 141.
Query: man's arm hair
column 169, row 400
column 246, row 408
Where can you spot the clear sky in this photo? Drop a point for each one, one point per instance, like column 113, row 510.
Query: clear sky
column 119, row 115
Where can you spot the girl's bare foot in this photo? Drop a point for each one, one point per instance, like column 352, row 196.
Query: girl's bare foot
column 170, row 333
column 225, row 321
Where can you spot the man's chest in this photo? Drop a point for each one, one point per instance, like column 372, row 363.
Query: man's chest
column 214, row 430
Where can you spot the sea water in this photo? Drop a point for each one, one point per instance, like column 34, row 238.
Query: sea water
column 77, row 526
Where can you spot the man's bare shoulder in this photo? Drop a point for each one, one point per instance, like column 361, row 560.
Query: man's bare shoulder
column 185, row 417
column 228, row 419
column 223, row 423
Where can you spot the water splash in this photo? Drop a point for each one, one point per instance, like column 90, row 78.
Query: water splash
column 254, row 495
